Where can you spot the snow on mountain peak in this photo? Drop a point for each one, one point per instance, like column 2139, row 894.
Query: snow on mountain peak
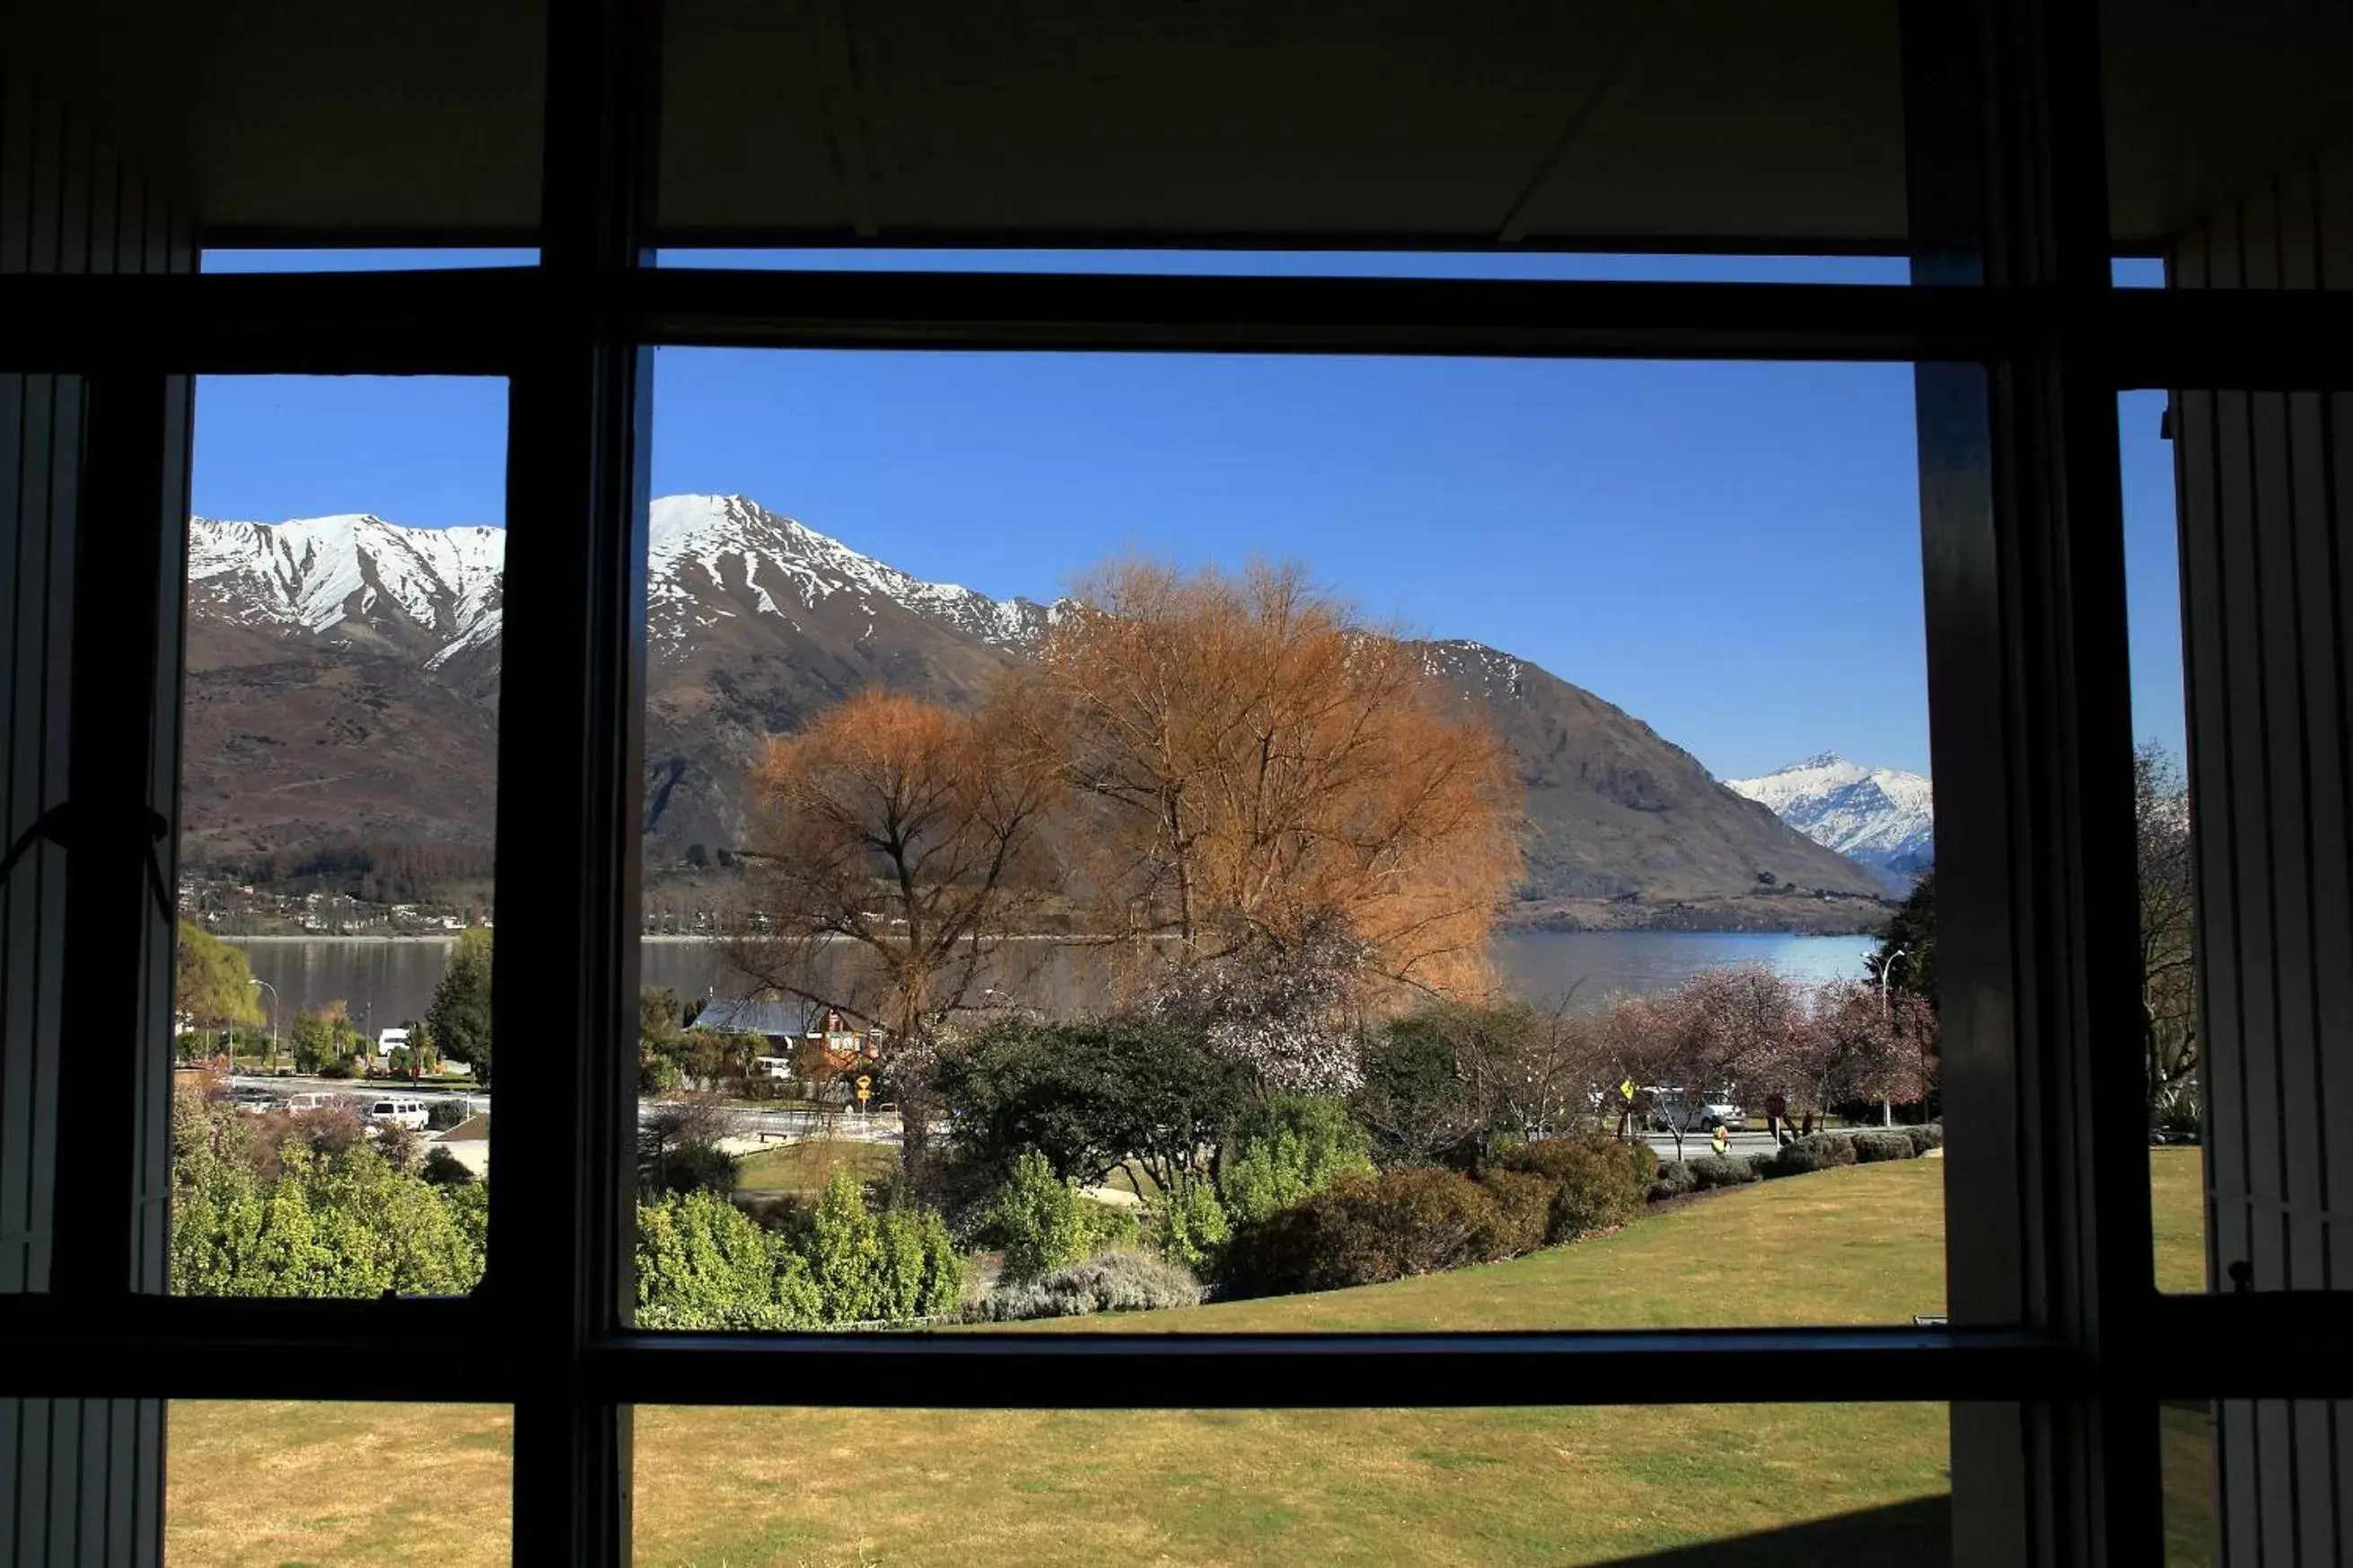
column 340, row 574
column 1882, row 817
column 700, row 542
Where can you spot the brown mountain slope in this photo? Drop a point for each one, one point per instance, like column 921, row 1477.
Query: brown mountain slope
column 1627, row 828
column 298, row 739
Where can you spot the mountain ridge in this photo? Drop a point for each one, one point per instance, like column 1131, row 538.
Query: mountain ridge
column 1883, row 818
column 344, row 683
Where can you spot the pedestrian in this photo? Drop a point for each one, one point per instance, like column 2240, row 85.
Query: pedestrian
column 1776, row 1107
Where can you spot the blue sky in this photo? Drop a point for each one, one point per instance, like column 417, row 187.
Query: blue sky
column 1729, row 551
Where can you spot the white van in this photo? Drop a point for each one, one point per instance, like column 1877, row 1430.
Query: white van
column 314, row 1102
column 409, row 1113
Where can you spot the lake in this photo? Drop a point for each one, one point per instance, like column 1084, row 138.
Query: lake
column 383, row 983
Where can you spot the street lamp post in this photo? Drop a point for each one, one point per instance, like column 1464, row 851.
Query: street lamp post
column 1886, row 1014
column 273, row 1026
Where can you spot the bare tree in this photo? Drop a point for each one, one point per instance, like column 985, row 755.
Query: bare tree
column 1273, row 777
column 1852, row 1041
column 2172, row 1044
column 897, row 855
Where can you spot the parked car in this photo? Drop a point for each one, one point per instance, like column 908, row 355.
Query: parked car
column 409, row 1113
column 1724, row 1114
column 313, row 1100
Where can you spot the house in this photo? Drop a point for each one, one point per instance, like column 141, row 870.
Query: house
column 765, row 1017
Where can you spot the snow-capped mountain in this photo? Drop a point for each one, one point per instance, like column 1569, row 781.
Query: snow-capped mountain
column 710, row 559
column 343, row 687
column 1884, row 818
column 434, row 591
column 704, row 548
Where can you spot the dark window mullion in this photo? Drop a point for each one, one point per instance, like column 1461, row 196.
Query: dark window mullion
column 563, row 1174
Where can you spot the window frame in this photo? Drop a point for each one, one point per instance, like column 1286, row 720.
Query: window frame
column 2058, row 1351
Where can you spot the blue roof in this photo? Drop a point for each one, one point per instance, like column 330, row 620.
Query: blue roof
column 749, row 1016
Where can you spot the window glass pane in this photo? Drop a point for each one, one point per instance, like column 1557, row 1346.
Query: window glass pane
column 1670, row 1484
column 1279, row 869
column 338, row 784
column 2173, row 1036
column 2186, row 1451
column 259, row 1484
column 363, row 260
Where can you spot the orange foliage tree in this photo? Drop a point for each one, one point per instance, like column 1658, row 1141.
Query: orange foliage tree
column 896, row 851
column 1269, row 769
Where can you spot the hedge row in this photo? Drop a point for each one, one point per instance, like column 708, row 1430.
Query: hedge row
column 1815, row 1152
column 1420, row 1221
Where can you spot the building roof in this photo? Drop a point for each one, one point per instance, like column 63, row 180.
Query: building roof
column 749, row 1016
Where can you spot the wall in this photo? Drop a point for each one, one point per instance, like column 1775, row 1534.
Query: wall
column 80, row 1481
column 2264, row 485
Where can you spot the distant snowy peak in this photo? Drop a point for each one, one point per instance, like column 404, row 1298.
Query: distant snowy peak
column 708, row 557
column 1882, row 817
column 355, row 576
column 705, row 546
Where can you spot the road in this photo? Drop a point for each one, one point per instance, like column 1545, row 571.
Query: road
column 778, row 1124
column 797, row 1124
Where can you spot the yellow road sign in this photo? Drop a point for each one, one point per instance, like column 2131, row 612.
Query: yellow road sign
column 864, row 1081
column 1627, row 1089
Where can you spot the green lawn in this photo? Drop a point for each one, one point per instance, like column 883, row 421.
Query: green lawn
column 806, row 1166
column 277, row 1484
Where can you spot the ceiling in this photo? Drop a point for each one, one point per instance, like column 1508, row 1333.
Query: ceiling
column 1732, row 124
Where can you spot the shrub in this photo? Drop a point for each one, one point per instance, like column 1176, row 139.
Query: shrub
column 703, row 1263
column 871, row 1267
column 1524, row 1208
column 1288, row 1149
column 444, row 1169
column 1087, row 1095
column 1877, row 1144
column 1362, row 1231
column 1189, row 1228
column 1045, row 1223
column 1598, row 1184
column 1115, row 1282
column 1926, row 1136
column 1674, row 1179
column 1712, row 1171
column 443, row 1115
column 1816, row 1152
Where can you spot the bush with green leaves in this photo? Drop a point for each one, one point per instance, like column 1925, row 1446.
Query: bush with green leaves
column 1366, row 1231
column 1115, row 1282
column 1713, row 1171
column 257, row 1211
column 883, row 1267
column 703, row 1264
column 444, row 1169
column 1287, row 1149
column 1089, row 1095
column 1926, row 1136
column 1815, row 1152
column 1599, row 1183
column 1674, row 1181
column 1187, row 1225
column 1044, row 1221
column 1523, row 1203
column 1876, row 1144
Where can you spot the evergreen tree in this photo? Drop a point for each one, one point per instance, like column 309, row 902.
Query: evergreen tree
column 460, row 1015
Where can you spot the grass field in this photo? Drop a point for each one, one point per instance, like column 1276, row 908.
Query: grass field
column 806, row 1167
column 279, row 1484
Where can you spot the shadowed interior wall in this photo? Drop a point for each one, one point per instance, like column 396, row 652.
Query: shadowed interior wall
column 80, row 1481
column 2265, row 485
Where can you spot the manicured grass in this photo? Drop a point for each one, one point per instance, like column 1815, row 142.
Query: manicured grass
column 806, row 1167
column 2177, row 1195
column 268, row 1484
